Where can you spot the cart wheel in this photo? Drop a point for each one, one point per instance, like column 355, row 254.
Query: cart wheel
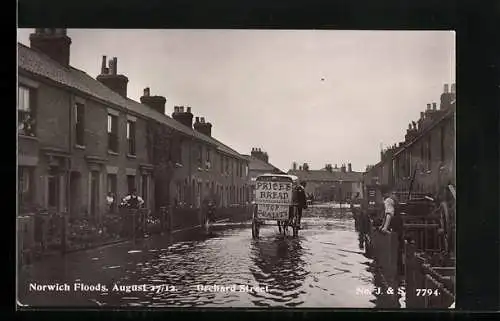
column 295, row 226
column 445, row 221
column 207, row 225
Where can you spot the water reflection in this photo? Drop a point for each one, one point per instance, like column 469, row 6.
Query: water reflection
column 278, row 264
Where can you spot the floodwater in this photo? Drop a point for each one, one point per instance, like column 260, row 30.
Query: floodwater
column 322, row 267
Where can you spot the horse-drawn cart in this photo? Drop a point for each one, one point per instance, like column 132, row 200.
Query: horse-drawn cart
column 274, row 202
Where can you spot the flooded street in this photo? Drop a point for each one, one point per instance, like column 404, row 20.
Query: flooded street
column 323, row 267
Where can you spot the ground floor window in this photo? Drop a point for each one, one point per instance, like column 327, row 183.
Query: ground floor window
column 130, row 183
column 25, row 185
column 145, row 189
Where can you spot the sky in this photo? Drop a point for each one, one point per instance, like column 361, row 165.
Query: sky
column 310, row 96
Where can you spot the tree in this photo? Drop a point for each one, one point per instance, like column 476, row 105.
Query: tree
column 163, row 146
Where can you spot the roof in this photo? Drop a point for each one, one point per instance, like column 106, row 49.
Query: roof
column 293, row 177
column 326, row 176
column 256, row 164
column 37, row 63
column 447, row 114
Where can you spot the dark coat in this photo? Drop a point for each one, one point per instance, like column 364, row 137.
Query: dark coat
column 300, row 196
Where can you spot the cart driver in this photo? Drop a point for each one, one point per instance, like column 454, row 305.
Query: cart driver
column 301, row 200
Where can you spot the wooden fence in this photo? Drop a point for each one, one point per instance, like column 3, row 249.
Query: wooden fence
column 423, row 263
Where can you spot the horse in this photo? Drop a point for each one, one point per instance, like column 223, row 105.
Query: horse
column 284, row 224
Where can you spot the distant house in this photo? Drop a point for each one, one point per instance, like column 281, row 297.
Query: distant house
column 330, row 184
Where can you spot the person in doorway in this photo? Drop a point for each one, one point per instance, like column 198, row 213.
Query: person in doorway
column 300, row 194
column 110, row 200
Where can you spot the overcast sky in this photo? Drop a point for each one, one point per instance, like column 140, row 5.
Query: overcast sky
column 264, row 88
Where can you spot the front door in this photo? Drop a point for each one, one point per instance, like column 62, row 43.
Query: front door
column 74, row 190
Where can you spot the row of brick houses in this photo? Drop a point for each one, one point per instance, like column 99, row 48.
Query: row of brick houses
column 427, row 152
column 80, row 138
column 330, row 183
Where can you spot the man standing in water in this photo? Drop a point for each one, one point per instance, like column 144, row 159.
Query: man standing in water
column 389, row 208
column 301, row 200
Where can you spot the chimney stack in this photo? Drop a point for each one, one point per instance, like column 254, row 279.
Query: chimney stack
column 446, row 98
column 104, row 69
column 349, row 167
column 155, row 102
column 185, row 118
column 53, row 42
column 111, row 79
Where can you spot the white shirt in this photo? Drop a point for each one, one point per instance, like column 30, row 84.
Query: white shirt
column 389, row 206
column 128, row 197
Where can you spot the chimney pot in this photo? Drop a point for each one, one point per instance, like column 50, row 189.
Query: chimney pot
column 445, row 88
column 197, row 119
column 422, row 114
column 453, row 88
column 146, row 92
column 428, row 106
column 115, row 65
column 181, row 109
column 434, row 106
column 189, row 109
column 202, row 120
column 111, row 66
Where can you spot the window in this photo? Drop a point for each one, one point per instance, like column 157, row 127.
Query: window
column 200, row 156
column 130, row 183
column 208, row 155
column 113, row 133
column 443, row 148
column 429, row 154
column 221, row 164
column 25, row 112
column 79, row 124
column 111, row 183
column 226, row 168
column 131, row 137
column 25, row 186
column 145, row 189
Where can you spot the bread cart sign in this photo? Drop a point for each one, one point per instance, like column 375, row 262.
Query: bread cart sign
column 273, row 199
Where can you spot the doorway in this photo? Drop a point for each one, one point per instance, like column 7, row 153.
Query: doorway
column 74, row 193
column 94, row 194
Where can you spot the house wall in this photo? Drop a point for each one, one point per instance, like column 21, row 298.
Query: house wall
column 196, row 181
column 56, row 131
